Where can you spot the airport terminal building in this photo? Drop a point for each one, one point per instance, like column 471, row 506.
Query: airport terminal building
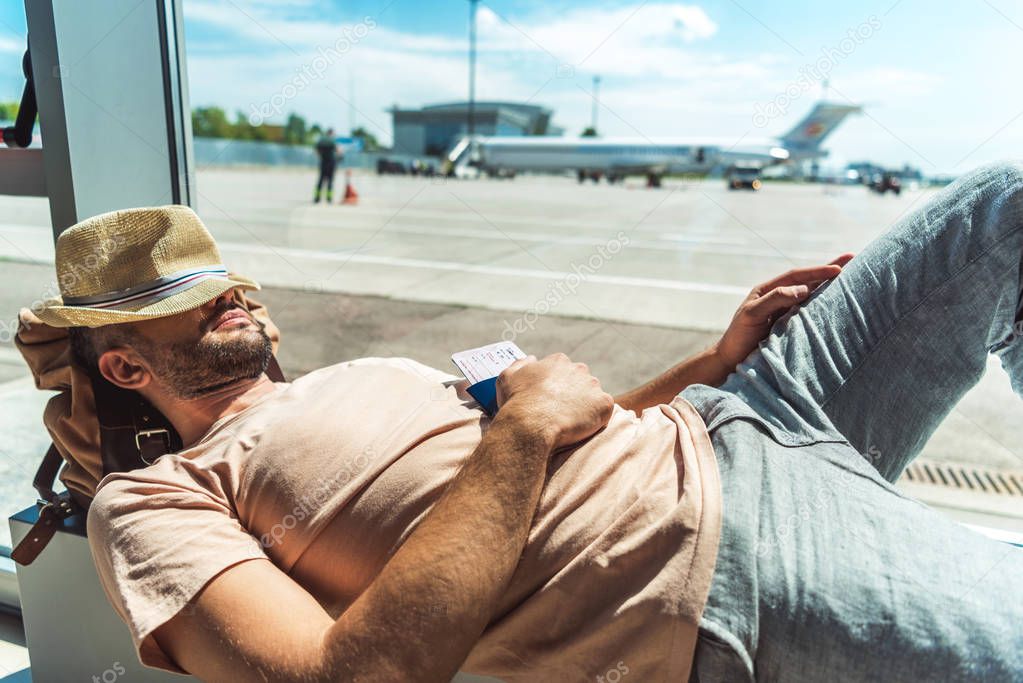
column 434, row 129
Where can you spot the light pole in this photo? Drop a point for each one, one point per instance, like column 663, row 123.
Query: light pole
column 471, row 123
column 596, row 103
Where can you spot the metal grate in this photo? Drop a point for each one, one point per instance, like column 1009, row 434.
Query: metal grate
column 966, row 478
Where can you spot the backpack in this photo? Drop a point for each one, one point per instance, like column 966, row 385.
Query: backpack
column 96, row 427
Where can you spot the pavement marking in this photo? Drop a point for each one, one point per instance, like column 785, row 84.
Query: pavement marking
column 664, row 241
column 16, row 385
column 1003, row 535
column 34, row 229
column 10, row 355
column 452, row 266
column 455, row 266
column 667, row 242
column 534, row 221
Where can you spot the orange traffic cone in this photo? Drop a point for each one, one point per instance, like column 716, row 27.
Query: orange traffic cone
column 351, row 196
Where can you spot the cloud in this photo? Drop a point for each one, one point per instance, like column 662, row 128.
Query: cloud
column 547, row 56
column 634, row 40
column 573, row 35
column 11, row 45
column 578, row 32
column 269, row 25
column 890, row 83
column 663, row 74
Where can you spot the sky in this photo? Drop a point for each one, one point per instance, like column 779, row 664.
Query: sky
column 937, row 78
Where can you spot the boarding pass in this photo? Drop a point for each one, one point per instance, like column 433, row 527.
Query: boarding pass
column 487, row 362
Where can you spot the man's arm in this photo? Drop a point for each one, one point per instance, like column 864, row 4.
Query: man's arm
column 424, row 612
column 706, row 367
column 752, row 322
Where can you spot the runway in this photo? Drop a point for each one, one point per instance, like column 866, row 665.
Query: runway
column 684, row 254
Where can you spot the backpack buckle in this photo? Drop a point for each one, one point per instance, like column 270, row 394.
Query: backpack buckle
column 51, row 515
column 151, row 433
column 61, row 505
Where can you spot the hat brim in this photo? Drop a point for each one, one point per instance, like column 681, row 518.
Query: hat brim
column 54, row 313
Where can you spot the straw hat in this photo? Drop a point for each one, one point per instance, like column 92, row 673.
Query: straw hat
column 136, row 264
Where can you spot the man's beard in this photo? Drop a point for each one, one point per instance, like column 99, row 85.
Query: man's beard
column 193, row 369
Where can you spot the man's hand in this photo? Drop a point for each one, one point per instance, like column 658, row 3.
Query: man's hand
column 768, row 302
column 752, row 322
column 556, row 397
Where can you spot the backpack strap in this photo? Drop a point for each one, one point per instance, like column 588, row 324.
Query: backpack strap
column 133, row 434
column 55, row 509
column 273, row 370
column 47, row 474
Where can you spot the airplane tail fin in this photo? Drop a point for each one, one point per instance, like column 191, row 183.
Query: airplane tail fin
column 822, row 120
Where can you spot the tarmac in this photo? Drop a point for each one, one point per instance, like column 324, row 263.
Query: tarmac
column 627, row 279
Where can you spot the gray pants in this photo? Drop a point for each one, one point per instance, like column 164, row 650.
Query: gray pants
column 825, row 571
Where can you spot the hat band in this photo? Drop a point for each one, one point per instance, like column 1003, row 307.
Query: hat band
column 150, row 292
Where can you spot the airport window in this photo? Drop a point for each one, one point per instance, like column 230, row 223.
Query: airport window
column 28, row 278
column 315, row 234
column 26, row 281
column 266, row 148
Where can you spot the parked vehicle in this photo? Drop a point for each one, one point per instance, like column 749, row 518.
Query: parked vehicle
column 743, row 178
column 885, row 182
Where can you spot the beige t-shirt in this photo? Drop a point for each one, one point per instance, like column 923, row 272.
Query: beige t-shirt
column 329, row 474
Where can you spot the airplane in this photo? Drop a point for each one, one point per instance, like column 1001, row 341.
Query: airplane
column 616, row 157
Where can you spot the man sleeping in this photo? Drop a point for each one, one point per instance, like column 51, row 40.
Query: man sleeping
column 369, row 522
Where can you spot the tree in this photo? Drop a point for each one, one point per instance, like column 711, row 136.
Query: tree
column 369, row 141
column 589, row 132
column 211, row 122
column 244, row 130
column 8, row 111
column 295, row 132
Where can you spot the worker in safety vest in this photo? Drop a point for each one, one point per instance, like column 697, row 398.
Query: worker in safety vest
column 330, row 154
